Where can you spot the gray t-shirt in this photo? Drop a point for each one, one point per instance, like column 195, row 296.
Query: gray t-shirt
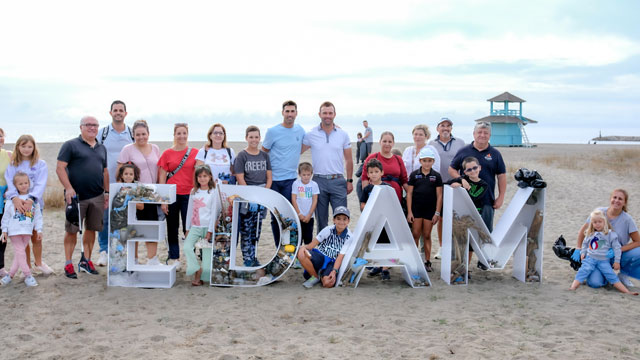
column 447, row 152
column 598, row 244
column 253, row 167
column 368, row 131
column 623, row 225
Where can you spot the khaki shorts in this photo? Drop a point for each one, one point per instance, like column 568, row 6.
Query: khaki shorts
column 91, row 212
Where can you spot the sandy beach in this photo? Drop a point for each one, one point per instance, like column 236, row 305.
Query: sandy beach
column 494, row 317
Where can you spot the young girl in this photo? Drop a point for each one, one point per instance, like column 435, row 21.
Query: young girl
column 129, row 174
column 599, row 239
column 202, row 214
column 252, row 167
column 424, row 201
column 19, row 226
column 26, row 159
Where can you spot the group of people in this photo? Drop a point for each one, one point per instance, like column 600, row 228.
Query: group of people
column 86, row 165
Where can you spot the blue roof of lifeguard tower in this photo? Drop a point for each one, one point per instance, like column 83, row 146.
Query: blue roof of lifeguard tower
column 506, row 115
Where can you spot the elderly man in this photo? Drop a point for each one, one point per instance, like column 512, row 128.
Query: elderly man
column 447, row 147
column 492, row 166
column 283, row 142
column 114, row 137
column 330, row 149
column 82, row 170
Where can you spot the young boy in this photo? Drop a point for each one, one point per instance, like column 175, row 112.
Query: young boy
column 322, row 258
column 478, row 191
column 375, row 172
column 252, row 167
column 475, row 186
column 424, row 201
column 304, row 197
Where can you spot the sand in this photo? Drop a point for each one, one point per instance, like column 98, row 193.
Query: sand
column 494, row 317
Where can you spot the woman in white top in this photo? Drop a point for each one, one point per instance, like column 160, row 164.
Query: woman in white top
column 410, row 158
column 216, row 154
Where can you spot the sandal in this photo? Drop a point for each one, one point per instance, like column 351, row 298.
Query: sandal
column 197, row 283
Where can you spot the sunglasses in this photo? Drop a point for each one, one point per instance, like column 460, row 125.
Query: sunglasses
column 473, row 168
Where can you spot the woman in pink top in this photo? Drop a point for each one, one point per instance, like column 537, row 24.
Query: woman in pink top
column 176, row 166
column 145, row 156
column 141, row 153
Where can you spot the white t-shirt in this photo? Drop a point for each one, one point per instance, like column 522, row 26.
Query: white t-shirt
column 304, row 193
column 327, row 150
column 203, row 209
column 412, row 160
column 331, row 243
column 218, row 161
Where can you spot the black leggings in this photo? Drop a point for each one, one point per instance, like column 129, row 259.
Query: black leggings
column 177, row 210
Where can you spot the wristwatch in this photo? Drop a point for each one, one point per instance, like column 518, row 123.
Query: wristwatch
column 350, row 180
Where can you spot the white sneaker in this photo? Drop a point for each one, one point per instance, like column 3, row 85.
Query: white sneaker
column 311, row 282
column 102, row 261
column 6, row 280
column 153, row 261
column 439, row 254
column 30, row 281
column 44, row 268
column 624, row 279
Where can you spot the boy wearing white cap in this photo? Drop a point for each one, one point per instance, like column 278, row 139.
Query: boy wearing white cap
column 424, row 201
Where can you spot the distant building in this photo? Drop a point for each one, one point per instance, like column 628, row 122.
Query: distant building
column 507, row 125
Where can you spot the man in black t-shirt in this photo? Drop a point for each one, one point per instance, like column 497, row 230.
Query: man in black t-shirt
column 82, row 170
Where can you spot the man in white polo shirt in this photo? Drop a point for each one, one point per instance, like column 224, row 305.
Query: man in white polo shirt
column 114, row 137
column 330, row 149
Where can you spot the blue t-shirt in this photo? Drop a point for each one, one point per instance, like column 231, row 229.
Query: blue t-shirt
column 490, row 160
column 284, row 147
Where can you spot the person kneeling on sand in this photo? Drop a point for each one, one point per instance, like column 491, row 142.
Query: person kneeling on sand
column 600, row 239
column 321, row 259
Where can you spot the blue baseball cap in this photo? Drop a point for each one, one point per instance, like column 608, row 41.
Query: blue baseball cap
column 426, row 152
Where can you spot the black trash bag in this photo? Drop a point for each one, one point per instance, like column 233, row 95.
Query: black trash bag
column 563, row 252
column 529, row 178
column 71, row 212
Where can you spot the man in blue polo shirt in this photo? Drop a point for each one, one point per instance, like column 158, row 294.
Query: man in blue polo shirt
column 492, row 166
column 82, row 170
column 283, row 142
column 114, row 137
column 330, row 149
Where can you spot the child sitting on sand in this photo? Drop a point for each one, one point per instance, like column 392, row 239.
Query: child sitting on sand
column 19, row 226
column 599, row 238
column 322, row 258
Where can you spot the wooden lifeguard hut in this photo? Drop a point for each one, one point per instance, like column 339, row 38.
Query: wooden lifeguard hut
column 507, row 125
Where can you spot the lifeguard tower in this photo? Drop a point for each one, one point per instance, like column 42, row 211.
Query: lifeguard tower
column 507, row 125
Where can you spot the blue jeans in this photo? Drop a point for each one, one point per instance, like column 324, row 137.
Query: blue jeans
column 629, row 265
column 103, row 235
column 283, row 187
column 332, row 191
column 591, row 265
column 487, row 216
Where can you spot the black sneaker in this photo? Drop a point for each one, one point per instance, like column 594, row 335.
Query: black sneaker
column 70, row 272
column 386, row 275
column 482, row 266
column 375, row 271
column 427, row 266
column 87, row 266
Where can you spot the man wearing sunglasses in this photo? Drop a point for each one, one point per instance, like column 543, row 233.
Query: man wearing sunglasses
column 491, row 167
column 82, row 170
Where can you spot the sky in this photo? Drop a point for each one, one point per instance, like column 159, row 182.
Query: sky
column 396, row 64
